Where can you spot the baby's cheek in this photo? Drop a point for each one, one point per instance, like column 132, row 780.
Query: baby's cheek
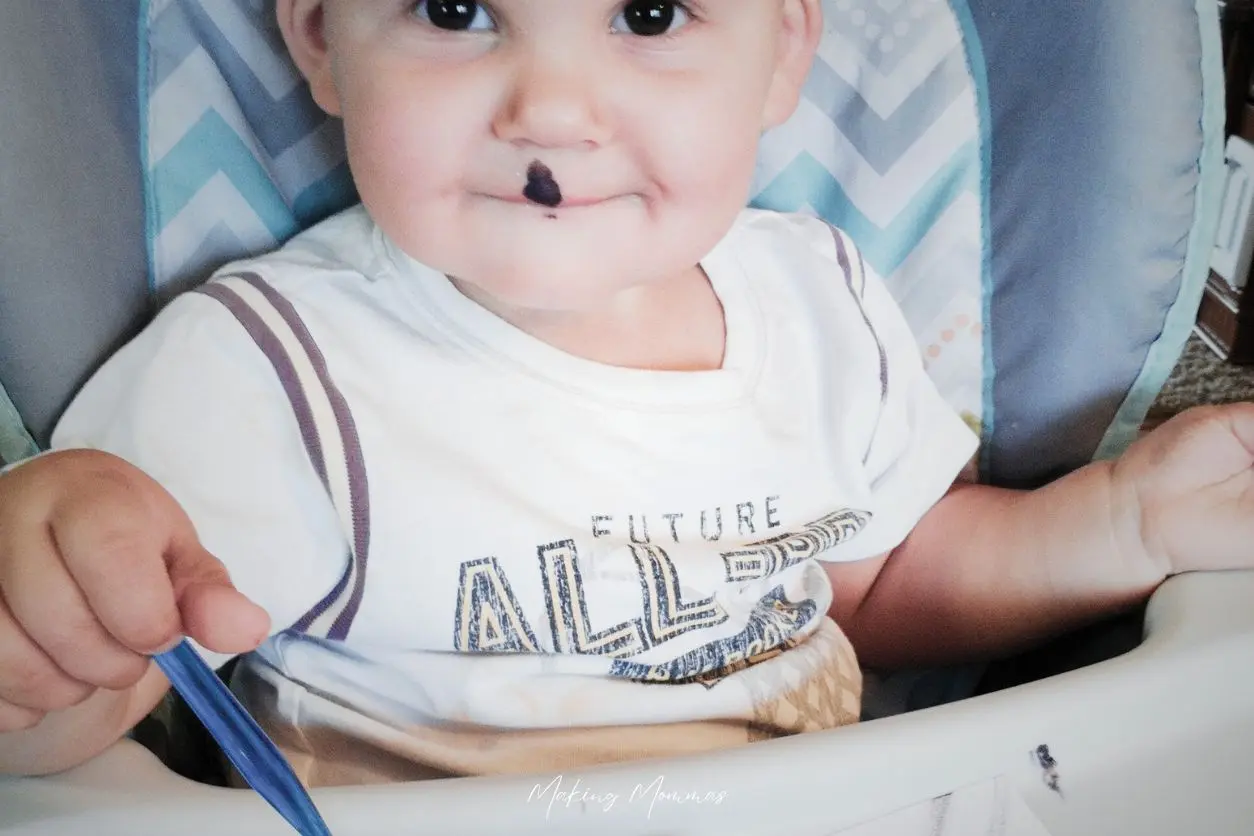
column 396, row 144
column 718, row 165
column 407, row 196
column 720, row 186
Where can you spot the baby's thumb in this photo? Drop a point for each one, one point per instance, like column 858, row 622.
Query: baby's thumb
column 214, row 613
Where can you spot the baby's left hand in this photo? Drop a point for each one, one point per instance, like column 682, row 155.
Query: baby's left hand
column 1186, row 490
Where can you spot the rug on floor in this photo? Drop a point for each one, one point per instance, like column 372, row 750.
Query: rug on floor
column 1201, row 378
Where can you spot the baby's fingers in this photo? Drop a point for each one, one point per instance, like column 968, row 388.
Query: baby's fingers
column 15, row 718
column 135, row 555
column 46, row 605
column 31, row 684
column 112, row 546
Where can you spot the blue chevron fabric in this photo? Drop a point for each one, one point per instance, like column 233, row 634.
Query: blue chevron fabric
column 237, row 156
column 885, row 145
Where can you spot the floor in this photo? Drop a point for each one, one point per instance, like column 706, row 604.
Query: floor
column 1202, row 378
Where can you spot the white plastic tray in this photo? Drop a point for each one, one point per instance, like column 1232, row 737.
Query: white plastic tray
column 1159, row 742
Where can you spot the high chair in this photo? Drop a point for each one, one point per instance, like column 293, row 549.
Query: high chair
column 1040, row 185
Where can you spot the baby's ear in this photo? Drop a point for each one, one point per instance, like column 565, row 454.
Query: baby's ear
column 303, row 23
column 801, row 28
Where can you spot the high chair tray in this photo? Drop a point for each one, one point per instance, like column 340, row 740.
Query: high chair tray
column 1158, row 742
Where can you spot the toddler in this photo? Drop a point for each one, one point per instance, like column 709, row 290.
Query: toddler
column 550, row 453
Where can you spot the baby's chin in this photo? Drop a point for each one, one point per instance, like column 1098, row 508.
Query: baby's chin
column 556, row 285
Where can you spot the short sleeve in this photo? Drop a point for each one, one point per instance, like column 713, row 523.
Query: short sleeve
column 919, row 444
column 196, row 405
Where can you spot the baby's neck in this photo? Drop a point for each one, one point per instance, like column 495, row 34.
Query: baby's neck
column 676, row 325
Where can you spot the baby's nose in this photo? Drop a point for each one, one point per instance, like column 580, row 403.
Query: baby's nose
column 553, row 103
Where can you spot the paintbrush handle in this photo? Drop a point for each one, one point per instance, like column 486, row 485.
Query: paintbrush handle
column 252, row 752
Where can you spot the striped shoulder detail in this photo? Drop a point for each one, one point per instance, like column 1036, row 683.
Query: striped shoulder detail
column 854, row 270
column 326, row 428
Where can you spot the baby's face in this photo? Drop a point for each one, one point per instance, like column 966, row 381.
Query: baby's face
column 646, row 115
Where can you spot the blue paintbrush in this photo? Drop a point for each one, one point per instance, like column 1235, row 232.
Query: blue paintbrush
column 254, row 754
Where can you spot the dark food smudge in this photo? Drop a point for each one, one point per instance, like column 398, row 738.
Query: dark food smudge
column 1049, row 767
column 541, row 187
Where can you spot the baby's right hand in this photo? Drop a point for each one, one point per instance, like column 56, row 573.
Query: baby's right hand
column 99, row 569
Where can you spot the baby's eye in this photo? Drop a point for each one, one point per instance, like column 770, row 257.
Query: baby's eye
column 454, row 15
column 649, row 18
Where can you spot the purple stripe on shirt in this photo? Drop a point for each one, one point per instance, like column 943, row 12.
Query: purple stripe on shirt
column 306, row 621
column 274, row 351
column 842, row 256
column 277, row 354
column 359, row 494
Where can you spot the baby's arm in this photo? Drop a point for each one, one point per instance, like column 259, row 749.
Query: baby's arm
column 184, row 436
column 990, row 571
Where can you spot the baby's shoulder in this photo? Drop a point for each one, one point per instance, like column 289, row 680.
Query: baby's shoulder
column 320, row 290
column 336, row 253
column 787, row 236
column 795, row 247
column 785, row 228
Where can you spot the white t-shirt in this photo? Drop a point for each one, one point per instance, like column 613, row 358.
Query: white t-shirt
column 551, row 542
